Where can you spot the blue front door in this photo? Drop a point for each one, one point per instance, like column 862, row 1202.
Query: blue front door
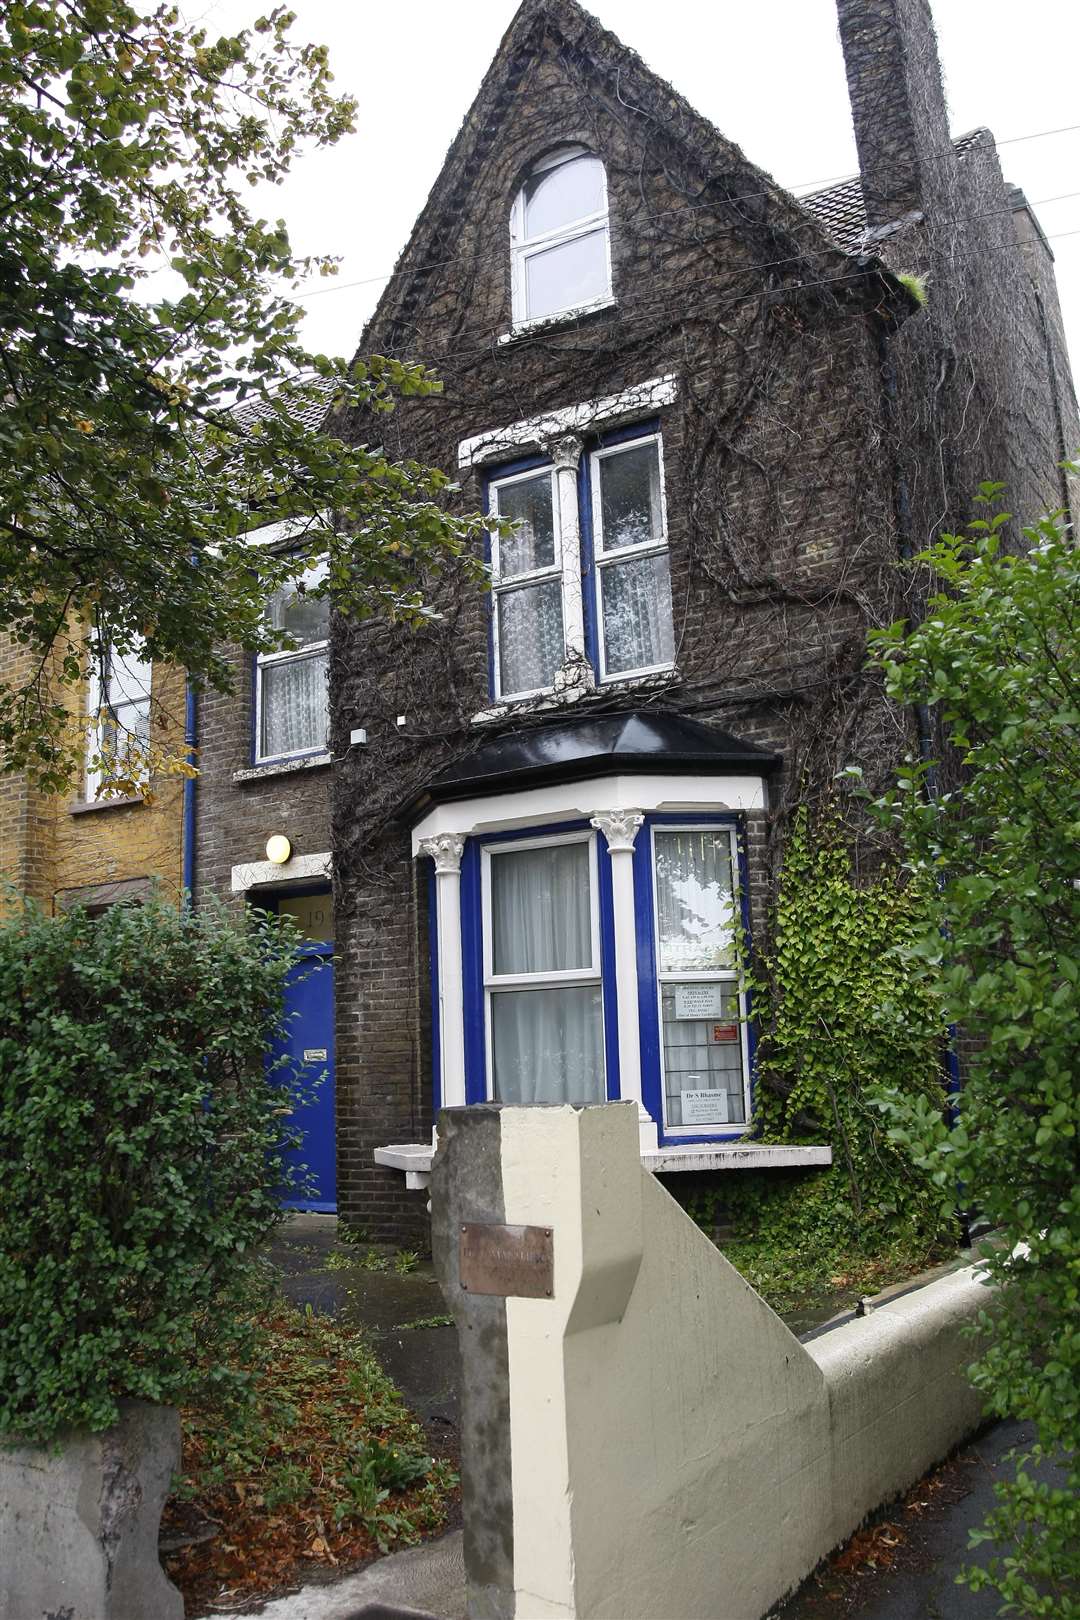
column 309, row 1041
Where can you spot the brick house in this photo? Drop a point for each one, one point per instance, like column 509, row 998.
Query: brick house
column 95, row 847
column 720, row 418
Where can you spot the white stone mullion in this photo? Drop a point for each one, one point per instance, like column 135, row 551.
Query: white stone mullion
column 446, row 850
column 620, row 828
column 566, row 457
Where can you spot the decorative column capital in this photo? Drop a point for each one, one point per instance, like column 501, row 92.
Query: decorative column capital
column 565, row 454
column 446, row 850
column 619, row 827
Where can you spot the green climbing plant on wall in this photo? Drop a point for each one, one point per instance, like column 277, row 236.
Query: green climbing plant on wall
column 839, row 1016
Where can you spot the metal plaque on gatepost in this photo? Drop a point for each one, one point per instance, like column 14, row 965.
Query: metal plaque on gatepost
column 514, row 1261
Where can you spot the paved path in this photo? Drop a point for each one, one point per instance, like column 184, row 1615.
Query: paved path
column 920, row 1581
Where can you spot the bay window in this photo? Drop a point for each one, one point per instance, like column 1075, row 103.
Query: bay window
column 583, row 579
column 568, row 999
column 292, row 710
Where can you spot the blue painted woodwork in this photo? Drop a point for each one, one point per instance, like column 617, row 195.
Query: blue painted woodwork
column 309, row 1008
column 472, row 963
column 309, row 996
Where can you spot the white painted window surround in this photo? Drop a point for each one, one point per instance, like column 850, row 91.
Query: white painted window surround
column 292, row 707
column 540, row 572
column 543, row 432
column 560, row 251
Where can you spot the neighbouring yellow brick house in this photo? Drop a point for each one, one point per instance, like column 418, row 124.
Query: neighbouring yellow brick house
column 80, row 849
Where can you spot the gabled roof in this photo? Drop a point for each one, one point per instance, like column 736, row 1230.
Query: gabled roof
column 632, row 742
column 587, row 48
column 842, row 211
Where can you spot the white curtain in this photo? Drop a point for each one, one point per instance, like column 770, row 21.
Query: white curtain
column 547, row 1043
column 295, row 705
column 540, row 912
column 637, row 613
column 695, row 916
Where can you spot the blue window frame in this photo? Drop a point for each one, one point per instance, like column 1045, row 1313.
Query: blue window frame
column 587, row 578
column 693, row 1041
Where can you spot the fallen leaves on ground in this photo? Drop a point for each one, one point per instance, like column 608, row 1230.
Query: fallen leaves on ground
column 311, row 1468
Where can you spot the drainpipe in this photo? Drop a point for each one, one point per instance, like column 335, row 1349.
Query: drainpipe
column 191, row 738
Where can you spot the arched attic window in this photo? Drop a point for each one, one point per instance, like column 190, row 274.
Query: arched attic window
column 560, row 259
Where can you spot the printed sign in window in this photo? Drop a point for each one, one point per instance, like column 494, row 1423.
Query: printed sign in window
column 699, row 1001
column 704, row 1107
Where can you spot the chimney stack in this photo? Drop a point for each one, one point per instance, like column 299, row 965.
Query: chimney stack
column 897, row 106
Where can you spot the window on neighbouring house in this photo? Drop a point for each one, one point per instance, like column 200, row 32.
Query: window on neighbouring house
column 119, row 708
column 291, row 700
column 560, row 257
column 585, row 575
column 545, row 1027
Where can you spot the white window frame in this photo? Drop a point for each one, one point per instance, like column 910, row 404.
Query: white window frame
column 293, row 655
column 551, row 980
column 603, row 559
column 536, row 576
column 523, row 248
column 567, row 565
column 725, row 976
column 98, row 701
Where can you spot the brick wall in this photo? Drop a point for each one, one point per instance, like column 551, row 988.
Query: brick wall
column 780, row 510
column 235, row 818
column 58, row 849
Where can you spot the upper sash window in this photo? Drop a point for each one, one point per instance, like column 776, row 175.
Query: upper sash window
column 119, row 704
column 291, row 700
column 560, row 253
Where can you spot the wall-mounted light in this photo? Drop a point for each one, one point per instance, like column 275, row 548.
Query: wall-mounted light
column 278, row 849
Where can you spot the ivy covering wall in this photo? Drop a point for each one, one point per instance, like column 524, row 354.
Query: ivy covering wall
column 839, row 1017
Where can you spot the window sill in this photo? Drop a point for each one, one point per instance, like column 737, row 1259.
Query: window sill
column 87, row 807
column 414, row 1158
column 659, row 680
column 554, row 323
column 283, row 767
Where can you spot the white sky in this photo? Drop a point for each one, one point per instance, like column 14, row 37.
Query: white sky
column 769, row 76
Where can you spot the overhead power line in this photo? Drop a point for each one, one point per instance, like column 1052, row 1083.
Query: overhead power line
column 802, row 191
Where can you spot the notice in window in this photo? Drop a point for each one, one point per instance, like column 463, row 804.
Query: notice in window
column 699, row 1001
column 704, row 1107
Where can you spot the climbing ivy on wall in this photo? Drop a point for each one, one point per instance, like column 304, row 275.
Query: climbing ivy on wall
column 839, row 1017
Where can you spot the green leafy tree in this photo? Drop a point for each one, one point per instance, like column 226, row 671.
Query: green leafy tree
column 143, row 1152
column 126, row 484
column 996, row 657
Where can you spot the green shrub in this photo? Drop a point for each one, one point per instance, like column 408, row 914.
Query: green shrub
column 142, row 1151
column 995, row 659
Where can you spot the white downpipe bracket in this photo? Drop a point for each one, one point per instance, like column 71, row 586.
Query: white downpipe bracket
column 446, row 849
column 620, row 828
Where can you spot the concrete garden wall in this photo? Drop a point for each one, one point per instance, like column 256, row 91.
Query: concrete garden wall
column 651, row 1439
column 79, row 1522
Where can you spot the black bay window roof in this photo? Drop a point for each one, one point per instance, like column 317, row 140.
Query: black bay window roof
column 634, row 741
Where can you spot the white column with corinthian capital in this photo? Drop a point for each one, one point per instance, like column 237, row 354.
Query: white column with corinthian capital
column 565, row 458
column 620, row 828
column 446, row 850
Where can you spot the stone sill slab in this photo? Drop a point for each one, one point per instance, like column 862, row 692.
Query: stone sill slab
column 283, row 767
column 414, row 1158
